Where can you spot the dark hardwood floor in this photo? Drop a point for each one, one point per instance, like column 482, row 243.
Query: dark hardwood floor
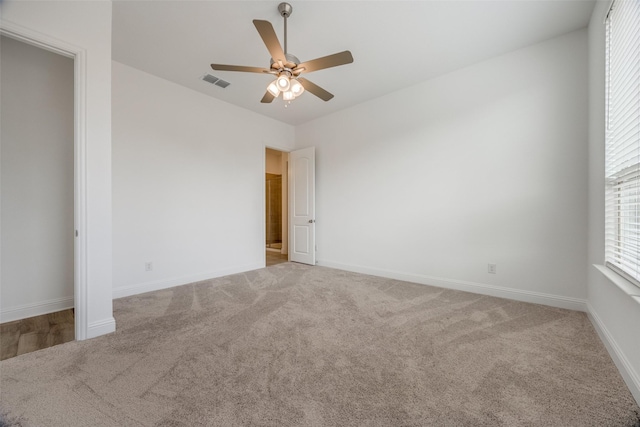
column 35, row 333
column 274, row 257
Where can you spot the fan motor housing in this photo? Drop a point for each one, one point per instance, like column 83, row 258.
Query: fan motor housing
column 291, row 59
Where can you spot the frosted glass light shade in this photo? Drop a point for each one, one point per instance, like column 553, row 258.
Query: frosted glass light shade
column 288, row 95
column 273, row 89
column 283, row 83
column 296, row 88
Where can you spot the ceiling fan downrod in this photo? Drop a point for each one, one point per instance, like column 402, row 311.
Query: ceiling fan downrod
column 285, row 10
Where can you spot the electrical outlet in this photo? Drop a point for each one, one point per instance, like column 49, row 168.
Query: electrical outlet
column 492, row 268
column 148, row 266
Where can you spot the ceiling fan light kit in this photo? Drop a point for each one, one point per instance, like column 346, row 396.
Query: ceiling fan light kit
column 287, row 67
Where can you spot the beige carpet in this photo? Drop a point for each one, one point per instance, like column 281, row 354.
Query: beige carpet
column 295, row 345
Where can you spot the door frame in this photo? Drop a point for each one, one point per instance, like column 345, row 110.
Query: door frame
column 79, row 56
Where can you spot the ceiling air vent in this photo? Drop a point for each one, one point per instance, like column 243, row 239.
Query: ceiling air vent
column 215, row 81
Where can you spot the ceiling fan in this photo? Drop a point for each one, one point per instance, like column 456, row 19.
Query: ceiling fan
column 286, row 67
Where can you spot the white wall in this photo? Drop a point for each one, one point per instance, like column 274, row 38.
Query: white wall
column 188, row 183
column 37, row 181
column 615, row 313
column 87, row 26
column 487, row 164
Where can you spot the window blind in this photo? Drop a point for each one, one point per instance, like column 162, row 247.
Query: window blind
column 622, row 156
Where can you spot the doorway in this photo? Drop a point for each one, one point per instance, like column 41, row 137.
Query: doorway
column 273, row 211
column 38, row 196
column 276, row 206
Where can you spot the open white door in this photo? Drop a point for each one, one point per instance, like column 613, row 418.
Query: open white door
column 302, row 206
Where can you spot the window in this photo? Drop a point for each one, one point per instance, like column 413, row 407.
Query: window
column 622, row 164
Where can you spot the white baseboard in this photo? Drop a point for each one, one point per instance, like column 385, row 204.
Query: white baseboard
column 35, row 309
column 478, row 288
column 101, row 327
column 141, row 288
column 630, row 376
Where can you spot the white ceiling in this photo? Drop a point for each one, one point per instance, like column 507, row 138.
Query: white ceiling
column 395, row 44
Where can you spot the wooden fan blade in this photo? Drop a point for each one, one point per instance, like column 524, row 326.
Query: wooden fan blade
column 327, row 62
column 223, row 67
column 315, row 89
column 266, row 31
column 267, row 98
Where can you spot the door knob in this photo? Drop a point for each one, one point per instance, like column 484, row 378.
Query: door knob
column 311, row 221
